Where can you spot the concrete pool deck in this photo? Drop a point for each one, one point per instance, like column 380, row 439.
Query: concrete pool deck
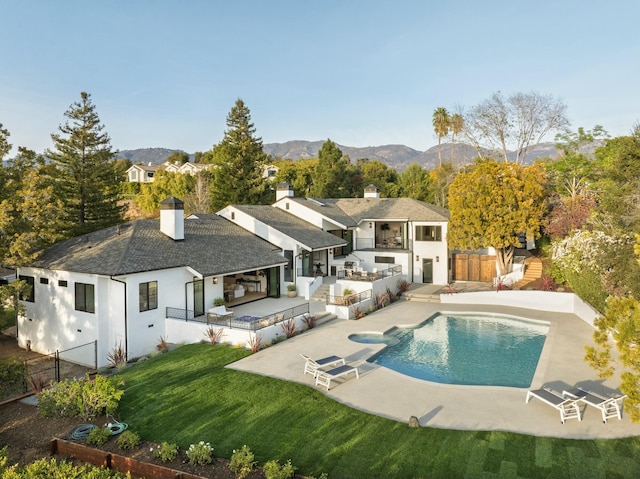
column 389, row 394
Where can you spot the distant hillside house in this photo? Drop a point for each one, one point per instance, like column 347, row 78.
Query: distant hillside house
column 145, row 173
column 269, row 172
column 142, row 173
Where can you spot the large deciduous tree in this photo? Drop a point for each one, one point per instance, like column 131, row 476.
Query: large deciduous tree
column 239, row 158
column 415, row 182
column 516, row 123
column 87, row 181
column 492, row 203
column 441, row 123
column 620, row 326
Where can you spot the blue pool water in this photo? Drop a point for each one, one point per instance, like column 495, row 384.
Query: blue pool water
column 470, row 349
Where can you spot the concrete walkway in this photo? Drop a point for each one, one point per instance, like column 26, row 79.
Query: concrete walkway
column 393, row 395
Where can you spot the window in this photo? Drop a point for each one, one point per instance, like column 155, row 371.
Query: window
column 85, row 298
column 44, row 280
column 428, row 233
column 30, row 295
column 148, row 296
column 384, row 259
column 134, row 175
column 62, row 282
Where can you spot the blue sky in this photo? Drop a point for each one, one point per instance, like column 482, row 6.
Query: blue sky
column 362, row 73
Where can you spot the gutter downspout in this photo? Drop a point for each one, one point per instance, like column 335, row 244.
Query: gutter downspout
column 126, row 335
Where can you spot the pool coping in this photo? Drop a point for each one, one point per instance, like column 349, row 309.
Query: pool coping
column 395, row 396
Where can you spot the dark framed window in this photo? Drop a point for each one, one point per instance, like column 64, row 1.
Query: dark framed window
column 62, row 282
column 44, row 280
column 428, row 233
column 85, row 299
column 384, row 259
column 30, row 296
column 148, row 296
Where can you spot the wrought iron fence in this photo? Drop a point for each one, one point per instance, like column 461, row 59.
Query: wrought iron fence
column 369, row 275
column 349, row 299
column 248, row 322
column 48, row 368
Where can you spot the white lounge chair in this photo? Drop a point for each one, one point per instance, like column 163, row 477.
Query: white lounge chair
column 312, row 366
column 324, row 377
column 609, row 407
column 567, row 407
column 219, row 312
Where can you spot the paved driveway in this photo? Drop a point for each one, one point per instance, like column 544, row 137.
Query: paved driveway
column 393, row 395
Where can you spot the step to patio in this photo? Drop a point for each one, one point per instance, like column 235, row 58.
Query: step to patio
column 324, row 317
column 425, row 298
column 321, row 293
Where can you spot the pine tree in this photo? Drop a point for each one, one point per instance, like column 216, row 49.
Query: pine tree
column 330, row 180
column 239, row 158
column 87, row 181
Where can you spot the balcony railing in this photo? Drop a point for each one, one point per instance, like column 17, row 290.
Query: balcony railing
column 350, row 299
column 252, row 323
column 367, row 275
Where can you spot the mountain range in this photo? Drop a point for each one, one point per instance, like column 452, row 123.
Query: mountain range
column 398, row 157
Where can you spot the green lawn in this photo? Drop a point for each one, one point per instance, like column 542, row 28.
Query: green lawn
column 187, row 395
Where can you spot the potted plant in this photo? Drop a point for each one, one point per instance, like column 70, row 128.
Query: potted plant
column 218, row 302
column 347, row 296
column 292, row 290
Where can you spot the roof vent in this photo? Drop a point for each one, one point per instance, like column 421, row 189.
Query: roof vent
column 371, row 191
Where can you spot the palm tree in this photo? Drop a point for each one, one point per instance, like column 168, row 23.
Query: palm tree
column 456, row 123
column 440, row 126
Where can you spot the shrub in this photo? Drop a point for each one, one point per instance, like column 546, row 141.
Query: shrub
column 242, row 462
column 393, row 297
column 273, row 470
column 292, row 287
column 214, row 335
column 52, row 468
column 310, row 320
column 381, row 300
column 255, row 342
column 166, row 452
column 218, row 302
column 80, row 397
column 128, row 440
column 37, row 382
column 200, row 454
column 289, row 327
column 11, row 370
column 162, row 345
column 117, row 357
column 98, row 436
column 403, row 286
column 358, row 312
column 548, row 283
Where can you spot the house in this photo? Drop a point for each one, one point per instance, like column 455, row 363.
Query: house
column 377, row 232
column 141, row 173
column 7, row 275
column 131, row 285
column 269, row 172
column 146, row 173
column 116, row 287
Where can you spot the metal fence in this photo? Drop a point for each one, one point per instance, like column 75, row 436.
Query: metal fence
column 252, row 323
column 48, row 368
column 349, row 299
column 368, row 275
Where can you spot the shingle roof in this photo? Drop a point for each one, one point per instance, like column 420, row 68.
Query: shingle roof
column 292, row 226
column 351, row 211
column 212, row 246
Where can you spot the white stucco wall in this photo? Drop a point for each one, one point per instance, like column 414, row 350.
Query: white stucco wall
column 436, row 250
column 540, row 300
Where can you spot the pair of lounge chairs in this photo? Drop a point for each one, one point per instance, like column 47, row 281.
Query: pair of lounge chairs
column 568, row 403
column 337, row 367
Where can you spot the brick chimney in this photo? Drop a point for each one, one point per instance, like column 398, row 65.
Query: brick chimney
column 172, row 218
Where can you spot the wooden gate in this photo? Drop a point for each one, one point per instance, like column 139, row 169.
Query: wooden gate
column 474, row 267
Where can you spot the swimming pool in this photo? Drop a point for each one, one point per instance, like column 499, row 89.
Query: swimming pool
column 468, row 349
